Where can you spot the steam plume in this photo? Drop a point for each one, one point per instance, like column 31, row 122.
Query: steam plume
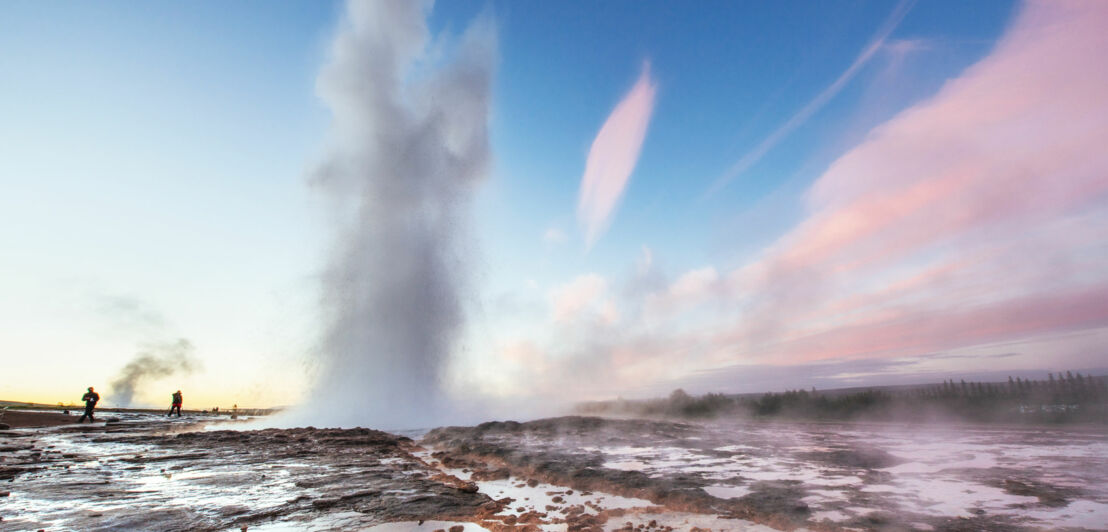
column 409, row 143
column 153, row 362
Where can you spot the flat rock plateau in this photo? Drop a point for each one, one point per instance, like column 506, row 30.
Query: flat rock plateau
column 144, row 472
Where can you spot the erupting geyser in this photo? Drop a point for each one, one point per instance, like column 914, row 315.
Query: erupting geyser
column 408, row 145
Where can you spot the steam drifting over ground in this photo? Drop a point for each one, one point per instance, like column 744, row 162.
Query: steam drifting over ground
column 408, row 145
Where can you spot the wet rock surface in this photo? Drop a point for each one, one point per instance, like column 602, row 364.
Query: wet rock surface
column 561, row 451
column 571, row 473
column 818, row 476
column 19, row 419
column 144, row 475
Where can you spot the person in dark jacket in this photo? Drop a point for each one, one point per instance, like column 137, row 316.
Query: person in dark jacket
column 176, row 406
column 90, row 398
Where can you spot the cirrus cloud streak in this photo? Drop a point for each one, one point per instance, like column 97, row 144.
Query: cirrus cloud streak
column 972, row 223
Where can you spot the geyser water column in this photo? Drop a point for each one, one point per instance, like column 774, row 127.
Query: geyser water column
column 408, row 145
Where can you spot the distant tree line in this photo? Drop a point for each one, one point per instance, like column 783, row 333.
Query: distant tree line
column 1068, row 398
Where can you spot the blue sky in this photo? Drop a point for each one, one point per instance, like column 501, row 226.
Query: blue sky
column 728, row 74
column 154, row 161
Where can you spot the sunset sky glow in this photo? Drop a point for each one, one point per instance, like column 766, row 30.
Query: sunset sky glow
column 731, row 197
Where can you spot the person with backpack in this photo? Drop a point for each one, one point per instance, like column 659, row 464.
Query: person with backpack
column 90, row 398
column 176, row 406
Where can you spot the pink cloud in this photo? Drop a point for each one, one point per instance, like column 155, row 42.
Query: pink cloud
column 1005, row 165
column 931, row 331
column 613, row 156
column 972, row 222
column 694, row 283
column 690, row 288
column 585, row 296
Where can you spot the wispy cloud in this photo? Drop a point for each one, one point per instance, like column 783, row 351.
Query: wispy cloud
column 972, row 217
column 973, row 224
column 875, row 45
column 583, row 297
column 613, row 156
column 862, row 372
column 554, row 236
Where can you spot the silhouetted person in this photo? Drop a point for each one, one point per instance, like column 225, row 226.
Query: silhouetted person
column 176, row 404
column 90, row 398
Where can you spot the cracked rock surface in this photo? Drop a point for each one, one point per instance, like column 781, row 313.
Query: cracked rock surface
column 147, row 474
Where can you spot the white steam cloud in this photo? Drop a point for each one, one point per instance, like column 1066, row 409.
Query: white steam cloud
column 409, row 144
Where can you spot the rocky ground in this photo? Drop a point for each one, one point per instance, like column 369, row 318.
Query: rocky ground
column 572, row 473
column 15, row 419
column 807, row 475
column 158, row 475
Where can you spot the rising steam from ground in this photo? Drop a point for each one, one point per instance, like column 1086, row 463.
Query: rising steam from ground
column 153, row 362
column 408, row 145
